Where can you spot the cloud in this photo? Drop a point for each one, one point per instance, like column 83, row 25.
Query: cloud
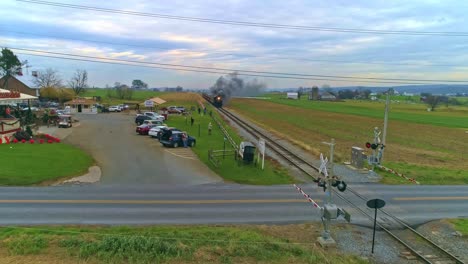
column 237, row 47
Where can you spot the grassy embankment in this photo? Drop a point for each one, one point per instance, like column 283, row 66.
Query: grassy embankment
column 26, row 164
column 167, row 244
column 461, row 224
column 429, row 146
column 229, row 169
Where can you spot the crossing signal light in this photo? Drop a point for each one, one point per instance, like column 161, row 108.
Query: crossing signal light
column 372, row 146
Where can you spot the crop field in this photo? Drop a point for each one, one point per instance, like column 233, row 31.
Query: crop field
column 453, row 116
column 429, row 146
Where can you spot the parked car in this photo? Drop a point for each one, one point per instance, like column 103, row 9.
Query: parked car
column 175, row 139
column 114, row 108
column 153, row 132
column 154, row 116
column 165, row 131
column 123, row 107
column 181, row 108
column 173, row 110
column 33, row 109
column 144, row 129
column 154, row 122
column 141, row 118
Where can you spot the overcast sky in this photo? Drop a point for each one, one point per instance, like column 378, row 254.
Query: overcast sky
column 92, row 33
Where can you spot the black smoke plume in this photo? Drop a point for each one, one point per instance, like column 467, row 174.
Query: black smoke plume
column 232, row 85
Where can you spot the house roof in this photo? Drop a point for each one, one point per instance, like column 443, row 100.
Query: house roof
column 80, row 101
column 157, row 100
column 15, row 99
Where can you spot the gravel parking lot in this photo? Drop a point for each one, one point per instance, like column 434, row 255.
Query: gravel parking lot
column 128, row 158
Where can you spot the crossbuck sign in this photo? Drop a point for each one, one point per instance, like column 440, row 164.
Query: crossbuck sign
column 323, row 165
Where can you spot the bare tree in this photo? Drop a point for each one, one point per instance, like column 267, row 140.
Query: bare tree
column 432, row 101
column 79, row 81
column 48, row 78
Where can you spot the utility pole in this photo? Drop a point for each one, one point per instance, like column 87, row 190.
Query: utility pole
column 384, row 136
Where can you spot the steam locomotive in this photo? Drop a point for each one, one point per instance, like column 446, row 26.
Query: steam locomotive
column 218, row 101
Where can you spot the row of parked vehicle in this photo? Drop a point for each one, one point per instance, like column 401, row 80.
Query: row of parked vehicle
column 152, row 124
column 118, row 108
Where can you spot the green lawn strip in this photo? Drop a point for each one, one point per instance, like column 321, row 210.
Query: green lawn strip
column 423, row 174
column 229, row 169
column 138, row 96
column 26, row 164
column 415, row 113
column 166, row 244
column 460, row 224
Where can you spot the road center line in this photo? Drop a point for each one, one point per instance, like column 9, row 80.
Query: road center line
column 442, row 198
column 247, row 201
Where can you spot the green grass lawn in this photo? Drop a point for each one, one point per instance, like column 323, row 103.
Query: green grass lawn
column 139, row 96
column 453, row 116
column 26, row 164
column 461, row 224
column 229, row 169
column 167, row 244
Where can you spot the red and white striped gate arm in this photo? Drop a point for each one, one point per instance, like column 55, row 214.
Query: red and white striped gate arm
column 307, row 197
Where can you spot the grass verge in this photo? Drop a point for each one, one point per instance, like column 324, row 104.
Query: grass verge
column 169, row 244
column 26, row 164
column 423, row 174
column 460, row 224
column 229, row 168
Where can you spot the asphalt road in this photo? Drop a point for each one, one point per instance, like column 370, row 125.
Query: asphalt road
column 214, row 204
column 127, row 158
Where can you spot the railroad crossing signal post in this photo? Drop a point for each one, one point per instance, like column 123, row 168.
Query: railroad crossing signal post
column 330, row 210
column 329, row 175
column 377, row 149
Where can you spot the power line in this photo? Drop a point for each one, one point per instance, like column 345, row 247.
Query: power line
column 252, row 24
column 247, row 71
column 210, row 52
column 213, row 72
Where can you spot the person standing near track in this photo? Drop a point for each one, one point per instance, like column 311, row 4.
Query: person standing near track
column 184, row 139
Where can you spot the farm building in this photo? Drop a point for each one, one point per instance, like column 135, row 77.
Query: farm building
column 80, row 104
column 16, row 85
column 294, row 96
column 326, row 96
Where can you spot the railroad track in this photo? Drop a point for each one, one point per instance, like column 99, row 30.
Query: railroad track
column 430, row 252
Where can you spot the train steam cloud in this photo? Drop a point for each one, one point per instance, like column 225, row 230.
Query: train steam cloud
column 232, row 85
